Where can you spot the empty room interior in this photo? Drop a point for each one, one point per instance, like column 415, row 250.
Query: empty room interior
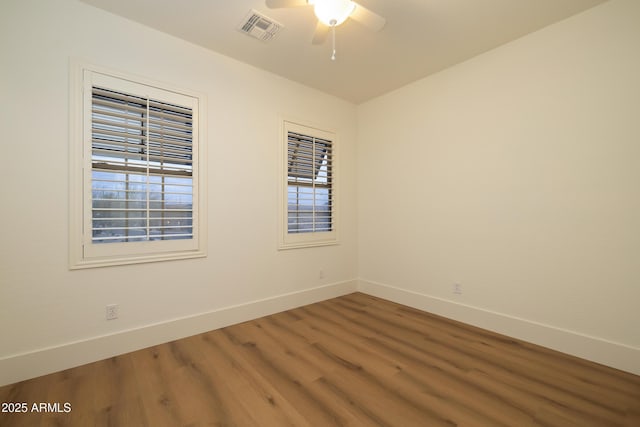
column 264, row 213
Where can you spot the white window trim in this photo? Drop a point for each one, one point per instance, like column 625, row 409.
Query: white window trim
column 306, row 240
column 79, row 194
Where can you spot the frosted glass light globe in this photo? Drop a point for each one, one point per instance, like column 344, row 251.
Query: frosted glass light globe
column 333, row 12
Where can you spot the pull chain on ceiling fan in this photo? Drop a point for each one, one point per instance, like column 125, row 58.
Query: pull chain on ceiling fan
column 330, row 14
column 333, row 54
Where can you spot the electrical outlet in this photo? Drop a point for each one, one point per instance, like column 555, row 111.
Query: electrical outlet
column 112, row 311
column 457, row 288
column 321, row 274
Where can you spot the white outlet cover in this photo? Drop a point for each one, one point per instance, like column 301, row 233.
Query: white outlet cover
column 112, row 312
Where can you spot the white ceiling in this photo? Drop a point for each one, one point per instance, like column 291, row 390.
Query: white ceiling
column 421, row 37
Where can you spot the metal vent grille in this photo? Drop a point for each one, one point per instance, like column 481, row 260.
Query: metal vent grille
column 259, row 26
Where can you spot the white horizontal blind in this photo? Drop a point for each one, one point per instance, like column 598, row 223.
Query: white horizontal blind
column 141, row 168
column 310, row 204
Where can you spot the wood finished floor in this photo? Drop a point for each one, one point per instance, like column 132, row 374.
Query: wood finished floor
column 349, row 361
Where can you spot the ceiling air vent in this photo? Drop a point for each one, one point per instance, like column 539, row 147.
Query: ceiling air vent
column 259, row 26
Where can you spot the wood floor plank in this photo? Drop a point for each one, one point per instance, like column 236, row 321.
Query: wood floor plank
column 535, row 357
column 569, row 393
column 290, row 386
column 162, row 403
column 209, row 398
column 361, row 389
column 336, row 340
column 550, row 388
column 355, row 361
column 258, row 396
column 280, row 350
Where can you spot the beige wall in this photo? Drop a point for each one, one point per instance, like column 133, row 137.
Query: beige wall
column 43, row 304
column 517, row 175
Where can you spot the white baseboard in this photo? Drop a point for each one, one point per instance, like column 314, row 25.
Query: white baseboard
column 44, row 361
column 613, row 354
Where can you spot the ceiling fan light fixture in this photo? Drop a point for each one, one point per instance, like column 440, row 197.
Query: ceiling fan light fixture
column 332, row 12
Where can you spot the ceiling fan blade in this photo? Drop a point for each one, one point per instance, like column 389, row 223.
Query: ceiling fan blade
column 320, row 34
column 277, row 4
column 369, row 19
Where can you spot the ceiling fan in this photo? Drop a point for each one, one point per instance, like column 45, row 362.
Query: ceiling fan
column 331, row 13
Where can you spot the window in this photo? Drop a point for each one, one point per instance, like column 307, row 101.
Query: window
column 309, row 192
column 141, row 184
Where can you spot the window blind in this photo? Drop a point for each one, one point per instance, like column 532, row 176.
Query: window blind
column 309, row 184
column 141, row 168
